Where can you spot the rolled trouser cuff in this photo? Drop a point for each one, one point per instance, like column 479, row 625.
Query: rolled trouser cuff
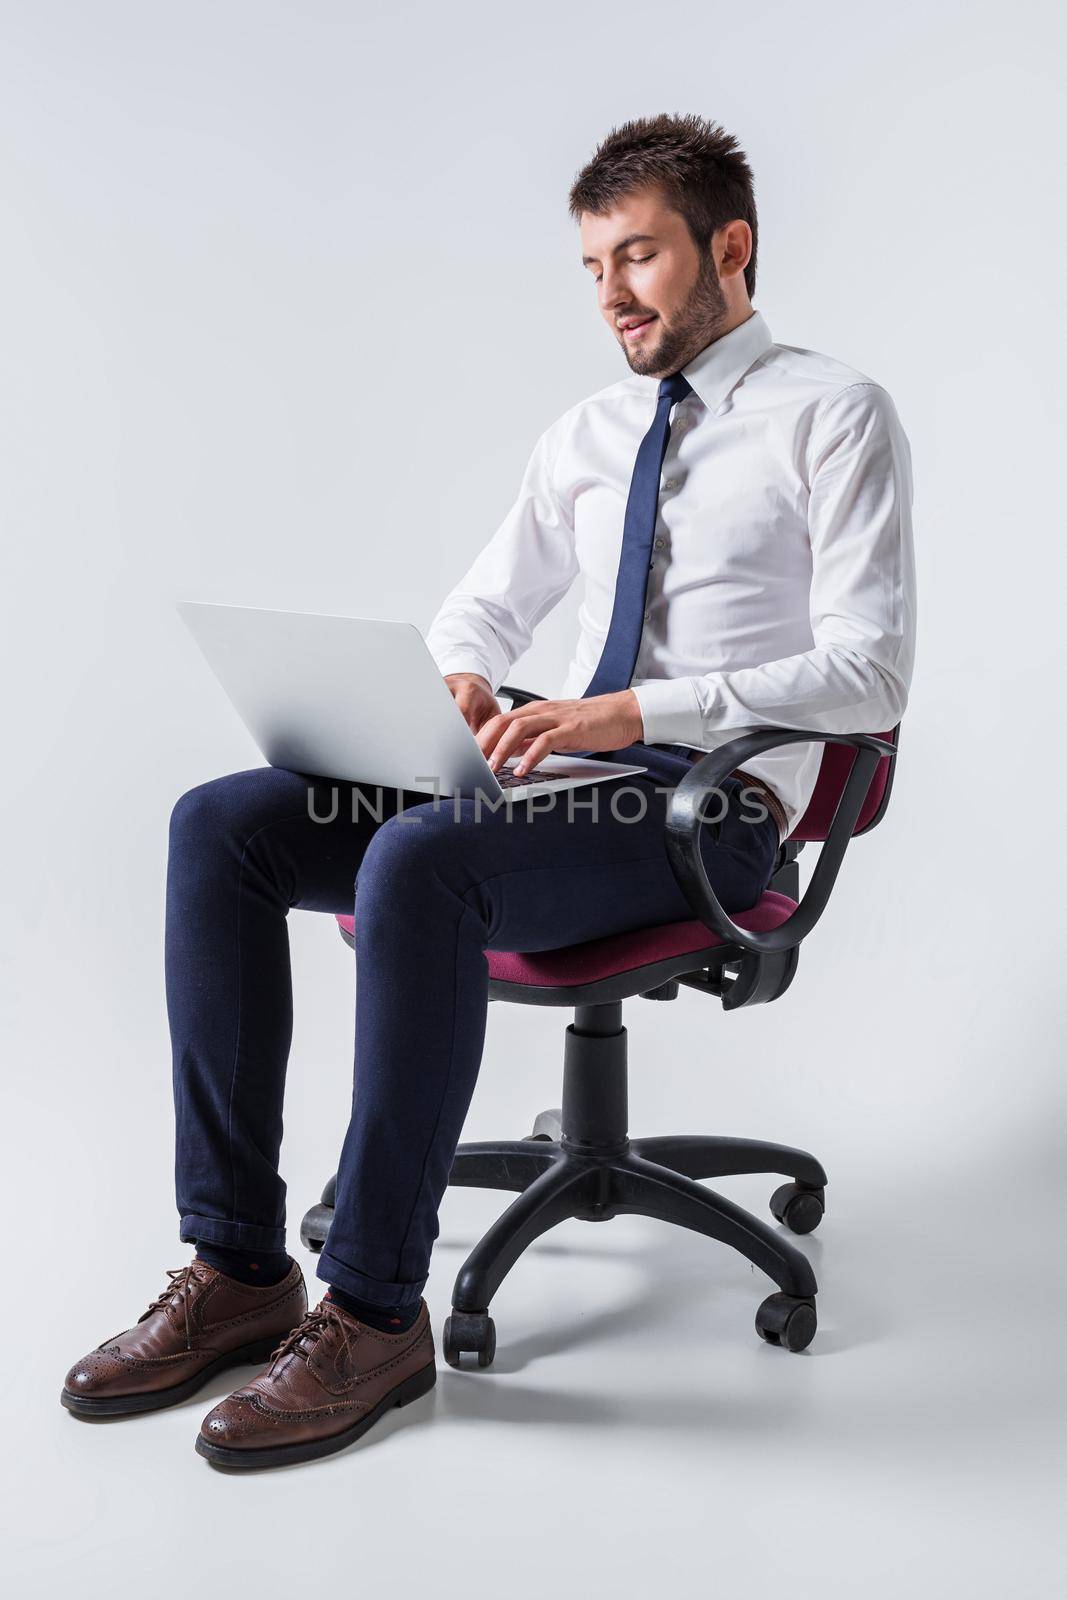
column 373, row 1290
column 239, row 1235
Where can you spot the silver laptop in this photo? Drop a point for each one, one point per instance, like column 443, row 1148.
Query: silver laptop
column 363, row 700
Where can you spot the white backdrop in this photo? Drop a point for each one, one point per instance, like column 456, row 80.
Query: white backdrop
column 259, row 258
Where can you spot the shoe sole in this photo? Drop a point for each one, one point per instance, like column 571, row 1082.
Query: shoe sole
column 255, row 1460
column 129, row 1405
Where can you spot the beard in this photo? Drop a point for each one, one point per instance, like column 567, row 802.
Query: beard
column 692, row 328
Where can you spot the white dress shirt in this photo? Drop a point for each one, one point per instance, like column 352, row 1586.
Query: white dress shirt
column 782, row 584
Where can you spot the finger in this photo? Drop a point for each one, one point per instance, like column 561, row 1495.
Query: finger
column 514, row 730
column 535, row 752
column 512, row 742
column 514, row 738
column 504, row 719
column 482, row 715
column 546, row 712
column 566, row 735
column 490, row 731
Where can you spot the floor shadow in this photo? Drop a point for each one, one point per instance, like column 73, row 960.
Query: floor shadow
column 669, row 1275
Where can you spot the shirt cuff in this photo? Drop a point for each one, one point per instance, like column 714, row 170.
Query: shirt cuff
column 463, row 661
column 670, row 711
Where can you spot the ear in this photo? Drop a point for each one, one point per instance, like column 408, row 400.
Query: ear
column 732, row 245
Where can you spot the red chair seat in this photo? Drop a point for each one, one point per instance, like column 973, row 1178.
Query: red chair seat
column 621, row 952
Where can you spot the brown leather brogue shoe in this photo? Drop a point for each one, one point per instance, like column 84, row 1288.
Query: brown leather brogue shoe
column 327, row 1383
column 201, row 1323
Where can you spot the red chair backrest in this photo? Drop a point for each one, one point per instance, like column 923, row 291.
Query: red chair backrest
column 837, row 760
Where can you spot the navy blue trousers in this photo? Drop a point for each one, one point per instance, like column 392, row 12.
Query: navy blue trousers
column 434, row 884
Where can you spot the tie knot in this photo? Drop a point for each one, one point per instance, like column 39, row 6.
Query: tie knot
column 676, row 387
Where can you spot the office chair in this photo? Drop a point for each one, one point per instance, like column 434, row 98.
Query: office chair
column 578, row 1161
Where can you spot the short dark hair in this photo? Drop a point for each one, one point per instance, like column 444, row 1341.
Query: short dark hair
column 702, row 169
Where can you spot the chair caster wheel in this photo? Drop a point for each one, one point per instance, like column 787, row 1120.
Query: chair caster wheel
column 785, row 1320
column 800, row 1209
column 315, row 1227
column 548, row 1125
column 472, row 1331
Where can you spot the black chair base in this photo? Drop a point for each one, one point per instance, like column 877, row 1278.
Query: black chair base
column 580, row 1162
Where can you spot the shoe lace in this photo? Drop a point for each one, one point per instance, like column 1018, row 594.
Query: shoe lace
column 181, row 1280
column 312, row 1327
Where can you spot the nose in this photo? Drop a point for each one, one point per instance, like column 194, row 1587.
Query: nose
column 614, row 294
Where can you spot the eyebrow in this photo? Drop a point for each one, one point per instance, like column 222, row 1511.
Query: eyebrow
column 623, row 244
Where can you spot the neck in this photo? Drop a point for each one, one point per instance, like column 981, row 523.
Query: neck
column 734, row 320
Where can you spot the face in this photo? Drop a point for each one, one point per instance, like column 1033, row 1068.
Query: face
column 648, row 271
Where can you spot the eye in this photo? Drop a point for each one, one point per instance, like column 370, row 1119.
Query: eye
column 635, row 261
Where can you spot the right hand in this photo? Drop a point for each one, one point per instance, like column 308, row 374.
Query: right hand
column 474, row 696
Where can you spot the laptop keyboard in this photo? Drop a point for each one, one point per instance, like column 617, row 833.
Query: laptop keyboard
column 510, row 780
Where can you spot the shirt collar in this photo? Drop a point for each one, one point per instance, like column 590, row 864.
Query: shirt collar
column 721, row 365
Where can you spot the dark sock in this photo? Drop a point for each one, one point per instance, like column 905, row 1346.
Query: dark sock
column 388, row 1319
column 262, row 1267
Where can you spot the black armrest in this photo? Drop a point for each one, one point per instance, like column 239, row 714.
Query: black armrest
column 519, row 697
column 684, row 821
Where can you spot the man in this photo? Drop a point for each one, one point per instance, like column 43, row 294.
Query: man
column 739, row 512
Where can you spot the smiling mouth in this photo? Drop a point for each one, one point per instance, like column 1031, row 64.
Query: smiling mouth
column 636, row 329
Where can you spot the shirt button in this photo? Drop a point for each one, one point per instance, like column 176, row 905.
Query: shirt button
column 658, row 544
column 670, row 483
column 648, row 616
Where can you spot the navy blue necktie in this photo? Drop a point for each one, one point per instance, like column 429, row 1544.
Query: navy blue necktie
column 619, row 655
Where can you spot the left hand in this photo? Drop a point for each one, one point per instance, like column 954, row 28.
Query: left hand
column 602, row 722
